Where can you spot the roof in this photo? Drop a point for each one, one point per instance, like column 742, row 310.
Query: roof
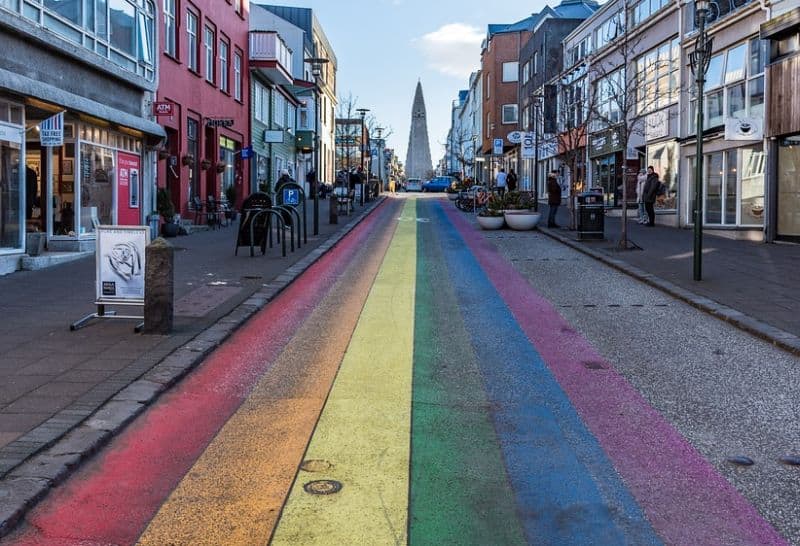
column 526, row 24
column 576, row 9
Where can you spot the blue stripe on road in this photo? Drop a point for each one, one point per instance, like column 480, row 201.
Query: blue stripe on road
column 566, row 488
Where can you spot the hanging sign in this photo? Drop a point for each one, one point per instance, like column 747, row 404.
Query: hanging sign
column 744, row 129
column 119, row 256
column 273, row 137
column 528, row 151
column 163, row 109
column 51, row 131
column 515, row 137
column 497, row 146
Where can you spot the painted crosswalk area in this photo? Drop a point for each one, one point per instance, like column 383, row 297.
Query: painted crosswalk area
column 411, row 388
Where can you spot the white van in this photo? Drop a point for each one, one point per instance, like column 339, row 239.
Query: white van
column 414, row 184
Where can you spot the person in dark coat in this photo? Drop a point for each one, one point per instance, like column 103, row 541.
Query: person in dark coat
column 650, row 192
column 553, row 198
column 511, row 180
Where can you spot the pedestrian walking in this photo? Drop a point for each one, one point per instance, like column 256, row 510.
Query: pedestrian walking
column 311, row 180
column 391, row 185
column 651, row 189
column 501, row 181
column 640, row 182
column 553, row 198
column 511, row 180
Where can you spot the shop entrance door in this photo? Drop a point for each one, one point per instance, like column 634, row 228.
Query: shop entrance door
column 789, row 187
column 10, row 191
column 606, row 178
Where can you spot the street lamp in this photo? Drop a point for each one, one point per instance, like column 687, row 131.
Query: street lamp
column 316, row 70
column 379, row 130
column 363, row 112
column 537, row 104
column 699, row 60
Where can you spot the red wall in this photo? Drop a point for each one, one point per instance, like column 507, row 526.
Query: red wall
column 192, row 96
column 128, row 174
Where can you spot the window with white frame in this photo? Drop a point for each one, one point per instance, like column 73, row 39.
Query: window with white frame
column 279, row 114
column 224, row 76
column 170, row 29
column 734, row 85
column 291, row 118
column 261, row 102
column 237, row 75
column 658, row 77
column 645, row 8
column 526, row 72
column 607, row 31
column 208, row 45
column 510, row 113
column 610, row 97
column 191, row 42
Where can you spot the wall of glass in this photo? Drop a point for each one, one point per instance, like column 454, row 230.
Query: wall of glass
column 663, row 157
column 12, row 129
column 121, row 31
column 733, row 192
column 789, row 187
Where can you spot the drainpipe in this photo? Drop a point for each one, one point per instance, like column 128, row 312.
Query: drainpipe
column 770, row 148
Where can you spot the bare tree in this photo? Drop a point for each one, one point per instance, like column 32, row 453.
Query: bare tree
column 348, row 131
column 622, row 98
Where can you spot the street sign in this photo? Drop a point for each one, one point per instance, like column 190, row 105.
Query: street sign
column 291, row 196
column 51, row 131
column 515, row 137
column 273, row 137
column 163, row 109
column 497, row 146
column 528, row 151
column 247, row 152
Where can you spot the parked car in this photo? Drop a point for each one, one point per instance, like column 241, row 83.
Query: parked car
column 414, row 184
column 439, row 183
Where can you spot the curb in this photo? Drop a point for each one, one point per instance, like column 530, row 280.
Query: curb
column 777, row 337
column 88, row 431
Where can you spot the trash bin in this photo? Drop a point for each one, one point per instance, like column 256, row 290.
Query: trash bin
column 591, row 215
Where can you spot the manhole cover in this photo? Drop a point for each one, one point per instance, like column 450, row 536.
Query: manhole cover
column 315, row 465
column 323, row 487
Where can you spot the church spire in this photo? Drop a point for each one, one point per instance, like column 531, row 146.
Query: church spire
column 418, row 156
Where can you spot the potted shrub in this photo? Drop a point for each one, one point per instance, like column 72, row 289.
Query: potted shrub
column 166, row 209
column 230, row 196
column 205, row 164
column 518, row 211
column 492, row 216
column 163, row 154
column 221, row 168
column 187, row 160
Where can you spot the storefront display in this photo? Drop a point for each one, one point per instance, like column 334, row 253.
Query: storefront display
column 789, row 187
column 663, row 157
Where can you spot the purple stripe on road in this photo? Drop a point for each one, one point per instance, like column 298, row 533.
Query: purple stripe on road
column 682, row 494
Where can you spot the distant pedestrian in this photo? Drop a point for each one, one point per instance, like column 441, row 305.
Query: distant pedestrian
column 553, row 198
column 500, row 182
column 391, row 185
column 311, row 179
column 651, row 188
column 640, row 182
column 511, row 180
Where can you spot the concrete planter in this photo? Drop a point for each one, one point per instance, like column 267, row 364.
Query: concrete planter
column 491, row 222
column 522, row 220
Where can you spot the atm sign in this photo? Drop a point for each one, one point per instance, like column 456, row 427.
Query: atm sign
column 163, row 108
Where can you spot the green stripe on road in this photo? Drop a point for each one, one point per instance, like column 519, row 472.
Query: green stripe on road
column 459, row 489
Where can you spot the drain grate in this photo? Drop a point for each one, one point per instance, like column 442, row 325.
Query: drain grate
column 323, row 487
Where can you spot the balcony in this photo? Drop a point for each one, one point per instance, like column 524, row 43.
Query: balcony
column 270, row 56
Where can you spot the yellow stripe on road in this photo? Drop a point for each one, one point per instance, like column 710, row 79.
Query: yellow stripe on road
column 364, row 430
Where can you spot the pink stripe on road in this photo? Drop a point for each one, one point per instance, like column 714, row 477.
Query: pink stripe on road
column 113, row 498
column 684, row 497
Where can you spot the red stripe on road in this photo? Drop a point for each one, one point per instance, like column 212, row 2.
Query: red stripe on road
column 114, row 498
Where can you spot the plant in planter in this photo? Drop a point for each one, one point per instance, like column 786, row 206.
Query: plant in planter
column 221, row 168
column 163, row 154
column 492, row 216
column 166, row 209
column 519, row 213
column 187, row 160
column 205, row 164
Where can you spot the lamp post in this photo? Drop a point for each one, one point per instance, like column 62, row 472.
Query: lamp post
column 379, row 130
column 699, row 59
column 537, row 104
column 316, row 70
column 363, row 112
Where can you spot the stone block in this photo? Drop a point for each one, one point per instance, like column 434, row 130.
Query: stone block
column 139, row 391
column 159, row 294
column 114, row 415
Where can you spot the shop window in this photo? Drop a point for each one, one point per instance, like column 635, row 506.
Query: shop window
column 752, row 202
column 191, row 42
column 97, row 179
column 664, row 160
column 122, row 19
column 170, row 28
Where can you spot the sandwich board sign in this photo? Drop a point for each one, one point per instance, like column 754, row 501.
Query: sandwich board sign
column 120, row 262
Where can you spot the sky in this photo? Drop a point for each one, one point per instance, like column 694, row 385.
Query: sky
column 385, row 46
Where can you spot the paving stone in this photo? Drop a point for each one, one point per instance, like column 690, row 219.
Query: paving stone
column 113, row 415
column 16, row 496
column 140, row 391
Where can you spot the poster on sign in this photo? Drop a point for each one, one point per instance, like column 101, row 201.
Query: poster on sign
column 128, row 189
column 120, row 262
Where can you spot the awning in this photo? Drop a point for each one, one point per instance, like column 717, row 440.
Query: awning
column 781, row 25
column 22, row 85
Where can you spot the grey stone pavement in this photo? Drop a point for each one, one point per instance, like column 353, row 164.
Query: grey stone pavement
column 52, row 379
column 752, row 285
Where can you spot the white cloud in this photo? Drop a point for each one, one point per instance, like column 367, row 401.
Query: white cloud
column 453, row 49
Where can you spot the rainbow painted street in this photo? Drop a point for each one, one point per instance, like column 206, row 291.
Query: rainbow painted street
column 420, row 384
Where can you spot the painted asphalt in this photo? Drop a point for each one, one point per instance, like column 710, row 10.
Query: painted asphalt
column 417, row 377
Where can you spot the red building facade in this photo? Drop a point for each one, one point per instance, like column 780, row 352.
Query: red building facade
column 203, row 100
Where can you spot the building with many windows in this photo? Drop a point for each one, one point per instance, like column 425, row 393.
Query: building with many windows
column 204, row 101
column 95, row 63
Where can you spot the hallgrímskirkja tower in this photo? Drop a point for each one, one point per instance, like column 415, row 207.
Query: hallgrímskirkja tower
column 418, row 156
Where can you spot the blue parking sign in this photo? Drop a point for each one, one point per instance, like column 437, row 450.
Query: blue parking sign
column 291, row 197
